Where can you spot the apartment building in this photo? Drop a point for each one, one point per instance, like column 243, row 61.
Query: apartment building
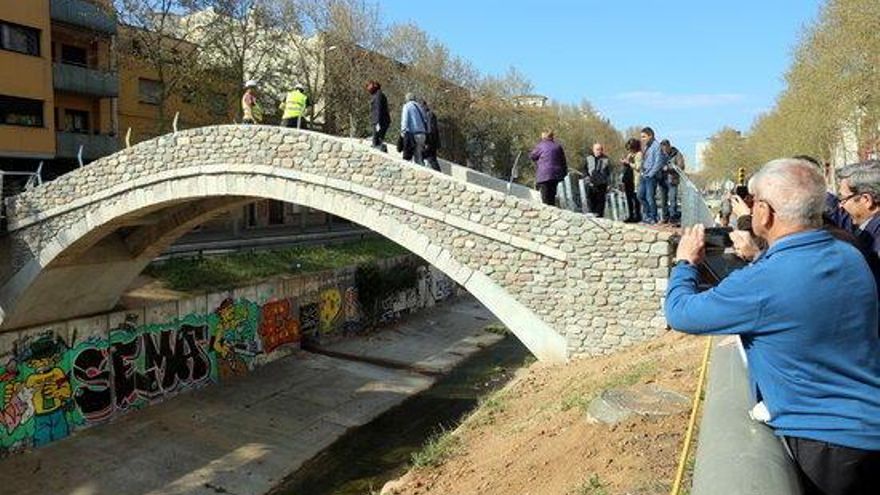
column 59, row 85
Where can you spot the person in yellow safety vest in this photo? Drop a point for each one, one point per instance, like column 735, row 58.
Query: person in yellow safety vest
column 251, row 111
column 294, row 106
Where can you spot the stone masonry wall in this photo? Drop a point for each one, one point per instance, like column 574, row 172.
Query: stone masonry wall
column 599, row 284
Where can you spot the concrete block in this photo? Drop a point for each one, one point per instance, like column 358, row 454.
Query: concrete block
column 161, row 314
column 82, row 329
column 249, row 293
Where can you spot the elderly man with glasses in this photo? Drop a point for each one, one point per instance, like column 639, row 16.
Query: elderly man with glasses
column 860, row 202
column 806, row 311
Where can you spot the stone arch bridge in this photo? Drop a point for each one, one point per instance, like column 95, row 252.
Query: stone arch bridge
column 562, row 283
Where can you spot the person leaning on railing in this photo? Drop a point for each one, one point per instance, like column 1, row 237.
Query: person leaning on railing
column 807, row 313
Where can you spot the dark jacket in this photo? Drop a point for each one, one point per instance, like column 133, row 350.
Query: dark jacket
column 550, row 161
column 674, row 158
column 433, row 139
column 598, row 170
column 628, row 178
column 379, row 110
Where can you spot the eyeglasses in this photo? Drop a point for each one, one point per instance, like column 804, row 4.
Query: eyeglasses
column 851, row 196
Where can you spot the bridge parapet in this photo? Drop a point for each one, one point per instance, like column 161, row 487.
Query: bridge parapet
column 563, row 283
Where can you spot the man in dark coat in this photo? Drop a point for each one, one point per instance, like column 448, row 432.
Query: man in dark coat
column 380, row 117
column 432, row 140
column 597, row 170
column 550, row 168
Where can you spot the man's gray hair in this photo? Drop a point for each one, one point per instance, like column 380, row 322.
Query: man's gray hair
column 409, row 97
column 794, row 189
column 863, row 178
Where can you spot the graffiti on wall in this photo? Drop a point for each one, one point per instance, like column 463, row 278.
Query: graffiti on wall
column 52, row 383
column 278, row 325
column 309, row 319
column 329, row 307
column 36, row 391
column 135, row 367
column 351, row 311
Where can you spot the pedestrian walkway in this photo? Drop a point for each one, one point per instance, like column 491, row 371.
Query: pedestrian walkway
column 244, row 436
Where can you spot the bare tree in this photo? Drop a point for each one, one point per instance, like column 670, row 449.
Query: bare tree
column 155, row 39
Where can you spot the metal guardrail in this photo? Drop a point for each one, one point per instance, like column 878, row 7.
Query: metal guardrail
column 737, row 455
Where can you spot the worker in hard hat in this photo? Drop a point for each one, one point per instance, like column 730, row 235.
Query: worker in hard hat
column 294, row 106
column 251, row 111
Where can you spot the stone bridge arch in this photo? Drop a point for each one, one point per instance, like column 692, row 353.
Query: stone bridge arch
column 563, row 284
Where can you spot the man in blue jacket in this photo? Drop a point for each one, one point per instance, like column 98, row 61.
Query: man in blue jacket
column 652, row 168
column 806, row 311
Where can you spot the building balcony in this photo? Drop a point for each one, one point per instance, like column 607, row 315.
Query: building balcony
column 83, row 14
column 93, row 145
column 76, row 79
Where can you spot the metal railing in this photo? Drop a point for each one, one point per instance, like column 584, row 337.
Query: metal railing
column 84, row 14
column 694, row 209
column 737, row 455
column 83, row 80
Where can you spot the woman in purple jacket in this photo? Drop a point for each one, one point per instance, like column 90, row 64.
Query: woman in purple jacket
column 551, row 166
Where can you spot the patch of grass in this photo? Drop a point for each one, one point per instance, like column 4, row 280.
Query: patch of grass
column 489, row 408
column 437, row 449
column 573, row 400
column 631, row 376
column 581, row 399
column 592, row 486
column 231, row 270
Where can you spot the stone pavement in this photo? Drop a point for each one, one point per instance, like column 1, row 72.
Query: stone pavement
column 244, row 436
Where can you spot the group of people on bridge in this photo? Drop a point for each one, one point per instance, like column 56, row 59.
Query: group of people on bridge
column 419, row 137
column 806, row 312
column 649, row 167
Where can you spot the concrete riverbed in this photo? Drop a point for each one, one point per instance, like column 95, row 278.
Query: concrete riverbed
column 246, row 435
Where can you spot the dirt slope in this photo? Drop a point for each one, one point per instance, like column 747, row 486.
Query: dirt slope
column 533, row 438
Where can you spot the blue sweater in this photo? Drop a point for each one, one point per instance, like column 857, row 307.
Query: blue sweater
column 806, row 312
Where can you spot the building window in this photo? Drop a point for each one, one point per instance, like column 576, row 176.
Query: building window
column 21, row 111
column 74, row 55
column 76, row 121
column 20, row 39
column 150, row 91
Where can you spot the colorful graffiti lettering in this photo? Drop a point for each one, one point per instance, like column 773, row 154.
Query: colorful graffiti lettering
column 51, row 386
column 278, row 325
column 134, row 369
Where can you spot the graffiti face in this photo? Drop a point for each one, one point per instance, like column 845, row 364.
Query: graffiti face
column 331, row 303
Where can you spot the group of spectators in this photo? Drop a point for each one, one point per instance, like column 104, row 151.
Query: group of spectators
column 806, row 312
column 647, row 168
column 419, row 137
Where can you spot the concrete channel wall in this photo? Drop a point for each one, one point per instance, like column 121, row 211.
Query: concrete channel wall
column 735, row 454
column 61, row 377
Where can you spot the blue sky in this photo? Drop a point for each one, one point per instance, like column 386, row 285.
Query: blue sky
column 685, row 67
